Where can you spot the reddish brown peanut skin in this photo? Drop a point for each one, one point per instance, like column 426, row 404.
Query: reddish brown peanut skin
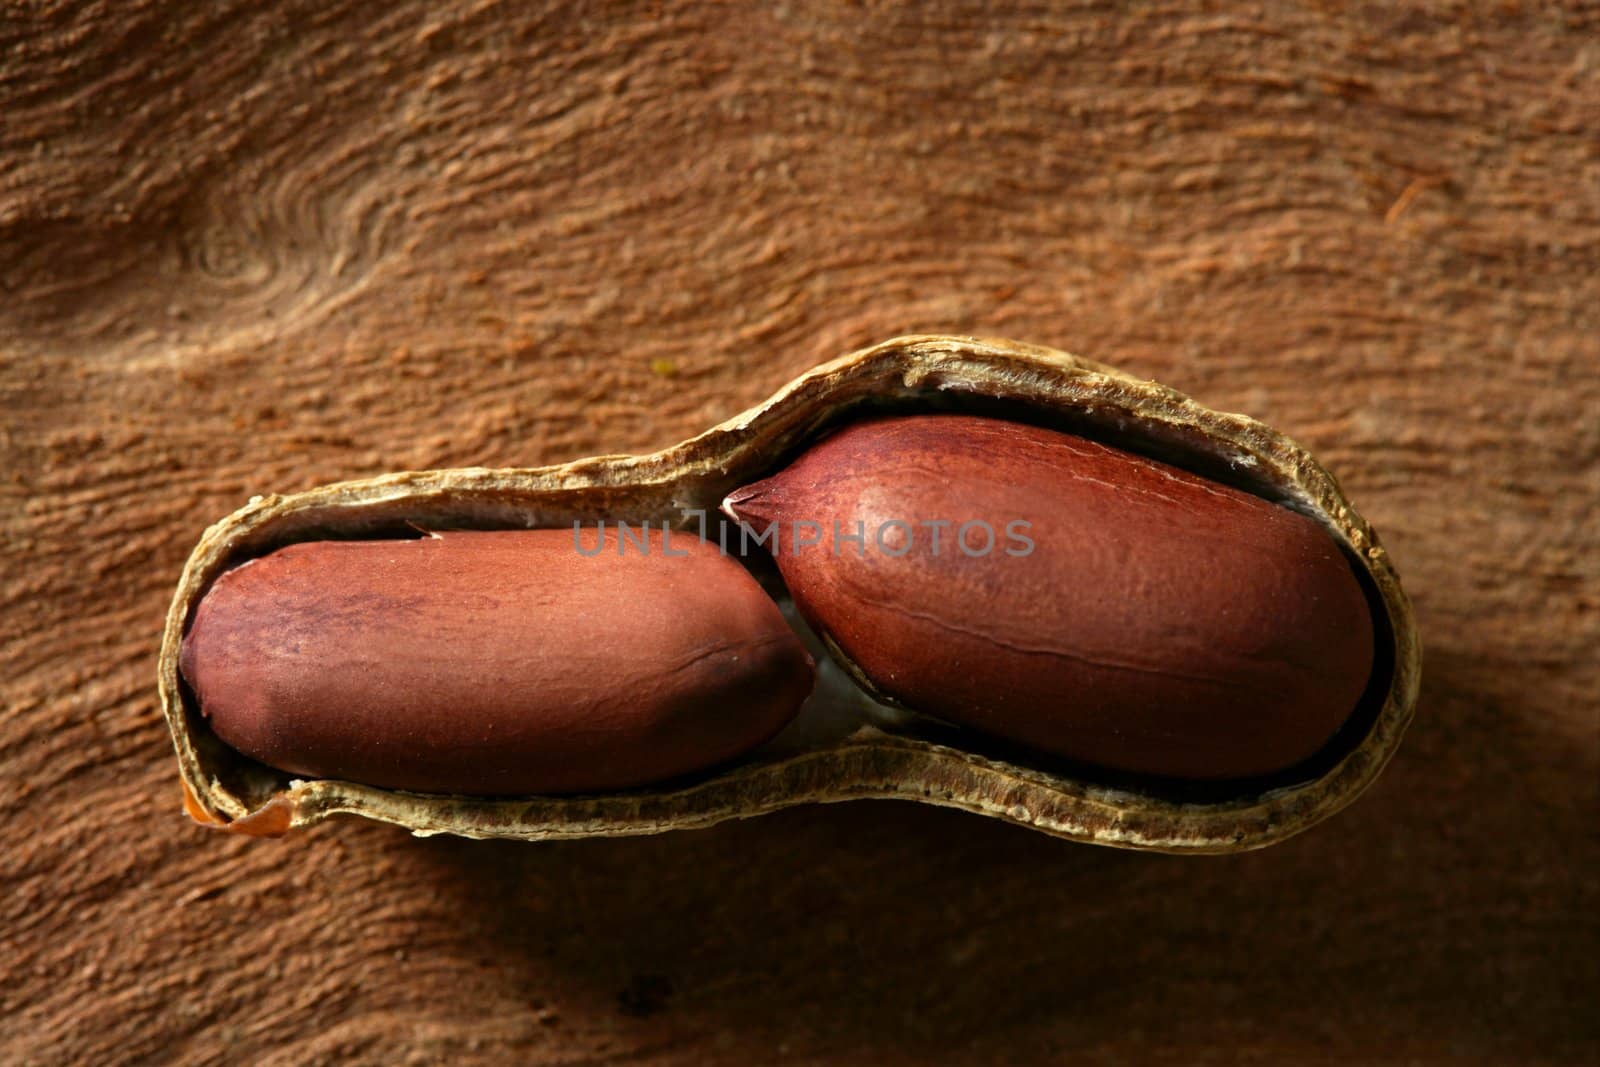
column 494, row 663
column 1162, row 624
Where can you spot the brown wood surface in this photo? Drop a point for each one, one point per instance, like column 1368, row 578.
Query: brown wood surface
column 254, row 247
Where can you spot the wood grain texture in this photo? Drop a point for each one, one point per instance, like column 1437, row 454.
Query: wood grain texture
column 255, row 247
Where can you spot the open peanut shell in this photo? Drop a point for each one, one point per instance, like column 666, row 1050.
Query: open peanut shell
column 844, row 746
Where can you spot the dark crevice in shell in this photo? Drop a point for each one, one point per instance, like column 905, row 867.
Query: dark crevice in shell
column 1187, row 450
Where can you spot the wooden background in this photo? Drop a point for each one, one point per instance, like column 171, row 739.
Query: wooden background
column 253, row 247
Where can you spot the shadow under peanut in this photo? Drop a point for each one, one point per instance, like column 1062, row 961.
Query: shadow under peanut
column 1437, row 917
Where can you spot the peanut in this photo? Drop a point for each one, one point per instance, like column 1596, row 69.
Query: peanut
column 494, row 663
column 1126, row 614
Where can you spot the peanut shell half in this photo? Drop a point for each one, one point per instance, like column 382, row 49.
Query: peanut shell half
column 844, row 746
